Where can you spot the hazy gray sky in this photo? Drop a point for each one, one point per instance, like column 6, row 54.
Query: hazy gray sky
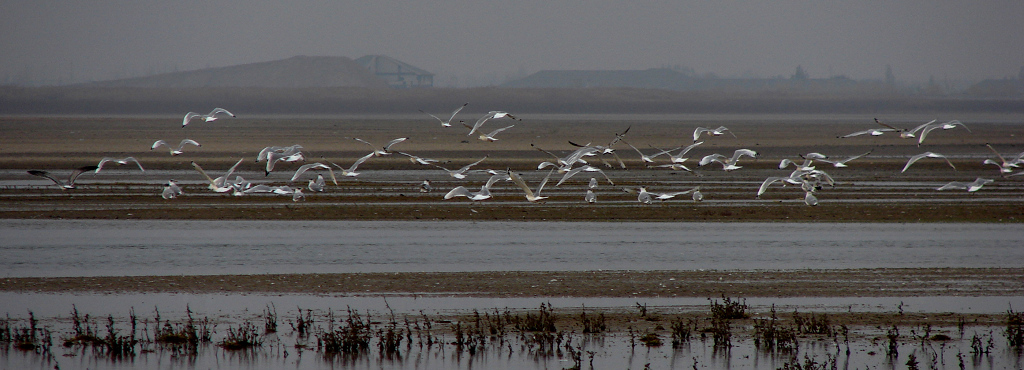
column 485, row 41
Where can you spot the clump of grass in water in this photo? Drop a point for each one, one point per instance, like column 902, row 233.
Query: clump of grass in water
column 270, row 319
column 682, row 330
column 32, row 338
column 118, row 346
column 651, row 339
column 543, row 321
column 728, row 309
column 721, row 314
column 770, row 336
column 84, row 333
column 389, row 339
column 592, row 324
column 813, row 324
column 893, row 335
column 810, row 363
column 1015, row 329
column 246, row 336
column 348, row 341
column 183, row 336
column 424, row 333
column 303, row 324
column 980, row 346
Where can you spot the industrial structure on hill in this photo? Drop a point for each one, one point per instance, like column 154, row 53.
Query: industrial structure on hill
column 396, row 73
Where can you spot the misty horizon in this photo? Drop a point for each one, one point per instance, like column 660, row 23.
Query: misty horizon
column 469, row 44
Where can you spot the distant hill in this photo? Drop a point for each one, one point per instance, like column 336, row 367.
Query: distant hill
column 295, row 72
column 669, row 79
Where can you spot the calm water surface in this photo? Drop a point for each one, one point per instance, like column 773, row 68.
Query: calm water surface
column 120, row 247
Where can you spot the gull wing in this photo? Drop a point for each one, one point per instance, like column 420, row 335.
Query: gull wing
column 921, row 127
column 459, row 191
column 767, row 182
column 188, row 117
column 518, row 180
column 47, row 175
column 495, row 132
column 888, row 126
column 742, row 152
column 220, row 110
column 699, row 130
column 688, row 148
column 200, row 169
column 78, row 172
column 549, row 153
column 393, row 142
column 159, row 143
column 232, row 169
column 456, row 111
column 103, row 161
column 359, row 162
column 187, row 141
column 544, row 182
column 467, row 167
column 303, row 168
column 136, row 162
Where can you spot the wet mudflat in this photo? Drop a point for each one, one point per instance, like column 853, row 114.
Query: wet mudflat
column 914, row 247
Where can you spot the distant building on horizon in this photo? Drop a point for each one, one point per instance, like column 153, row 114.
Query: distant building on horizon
column 396, row 73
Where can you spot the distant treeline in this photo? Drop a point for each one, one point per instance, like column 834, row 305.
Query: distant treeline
column 606, row 100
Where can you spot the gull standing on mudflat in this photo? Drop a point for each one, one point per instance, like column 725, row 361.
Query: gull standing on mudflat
column 318, row 184
column 209, row 117
column 174, row 151
column 591, row 197
column 425, row 186
column 119, row 161
column 971, row 187
column 70, row 184
column 928, row 155
column 447, row 123
column 171, row 191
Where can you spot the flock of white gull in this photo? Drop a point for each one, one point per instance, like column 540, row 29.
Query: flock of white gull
column 804, row 175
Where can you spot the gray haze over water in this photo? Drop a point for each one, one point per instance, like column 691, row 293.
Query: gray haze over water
column 472, row 43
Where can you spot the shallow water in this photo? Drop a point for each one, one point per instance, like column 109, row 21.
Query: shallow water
column 32, row 248
column 867, row 346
